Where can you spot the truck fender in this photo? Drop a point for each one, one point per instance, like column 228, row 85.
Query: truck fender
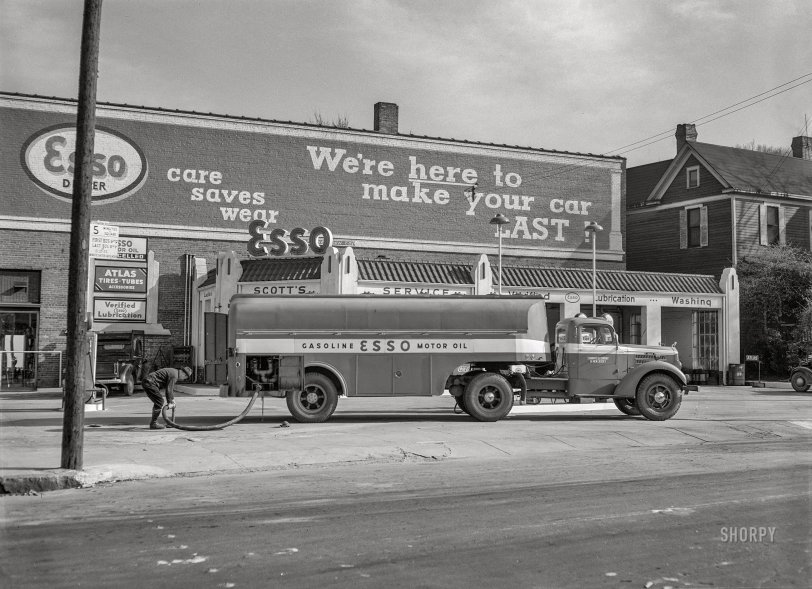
column 124, row 368
column 332, row 372
column 805, row 370
column 627, row 387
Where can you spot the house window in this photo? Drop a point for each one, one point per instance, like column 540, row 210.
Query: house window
column 773, row 227
column 692, row 177
column 693, row 227
column 772, row 224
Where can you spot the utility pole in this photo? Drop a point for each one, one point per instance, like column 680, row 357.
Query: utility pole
column 77, row 348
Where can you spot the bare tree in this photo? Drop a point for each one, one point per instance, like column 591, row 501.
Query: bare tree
column 341, row 121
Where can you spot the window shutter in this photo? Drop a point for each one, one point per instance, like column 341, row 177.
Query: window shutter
column 762, row 224
column 782, row 226
column 703, row 227
column 683, row 229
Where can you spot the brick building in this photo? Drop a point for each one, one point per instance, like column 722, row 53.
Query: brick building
column 189, row 193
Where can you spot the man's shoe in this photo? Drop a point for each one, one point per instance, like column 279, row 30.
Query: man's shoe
column 156, row 425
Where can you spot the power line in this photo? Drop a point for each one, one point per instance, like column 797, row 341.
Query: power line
column 720, row 116
column 719, row 111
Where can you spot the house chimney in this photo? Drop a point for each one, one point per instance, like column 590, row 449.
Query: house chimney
column 685, row 132
column 802, row 147
column 386, row 117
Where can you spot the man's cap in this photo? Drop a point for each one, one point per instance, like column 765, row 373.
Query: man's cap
column 187, row 370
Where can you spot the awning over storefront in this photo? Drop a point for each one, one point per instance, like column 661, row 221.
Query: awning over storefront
column 610, row 280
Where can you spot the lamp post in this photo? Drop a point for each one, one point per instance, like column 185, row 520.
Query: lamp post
column 593, row 229
column 500, row 220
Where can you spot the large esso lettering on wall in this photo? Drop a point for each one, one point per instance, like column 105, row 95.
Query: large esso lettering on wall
column 280, row 242
column 119, row 166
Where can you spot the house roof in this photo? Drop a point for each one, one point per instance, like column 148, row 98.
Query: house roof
column 745, row 170
column 641, row 180
column 737, row 169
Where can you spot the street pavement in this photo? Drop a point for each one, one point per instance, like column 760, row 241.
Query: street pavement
column 118, row 444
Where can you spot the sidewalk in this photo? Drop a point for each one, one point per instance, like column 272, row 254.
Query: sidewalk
column 118, row 444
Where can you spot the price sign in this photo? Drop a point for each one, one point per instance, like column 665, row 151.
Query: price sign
column 103, row 240
column 751, row 358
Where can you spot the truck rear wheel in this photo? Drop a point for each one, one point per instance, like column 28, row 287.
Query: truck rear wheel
column 488, row 397
column 316, row 402
column 658, row 397
column 627, row 406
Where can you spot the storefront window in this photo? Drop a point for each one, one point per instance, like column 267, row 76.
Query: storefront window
column 18, row 335
column 705, row 329
column 635, row 328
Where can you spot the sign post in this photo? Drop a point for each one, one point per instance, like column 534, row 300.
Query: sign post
column 755, row 358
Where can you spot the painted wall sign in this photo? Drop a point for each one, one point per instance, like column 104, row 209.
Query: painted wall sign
column 537, row 294
column 623, row 299
column 112, row 310
column 224, row 174
column 119, row 165
column 279, row 288
column 415, row 290
column 119, row 279
column 692, row 301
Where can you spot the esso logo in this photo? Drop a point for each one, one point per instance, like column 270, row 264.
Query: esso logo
column 572, row 297
column 318, row 241
column 119, row 167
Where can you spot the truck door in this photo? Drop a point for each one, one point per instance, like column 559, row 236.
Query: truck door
column 596, row 370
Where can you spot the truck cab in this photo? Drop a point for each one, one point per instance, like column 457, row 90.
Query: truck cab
column 590, row 362
column 119, row 360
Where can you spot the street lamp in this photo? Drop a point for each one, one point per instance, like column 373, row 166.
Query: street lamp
column 500, row 220
column 593, row 228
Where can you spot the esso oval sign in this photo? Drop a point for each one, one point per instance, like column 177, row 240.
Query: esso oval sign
column 119, row 165
column 572, row 297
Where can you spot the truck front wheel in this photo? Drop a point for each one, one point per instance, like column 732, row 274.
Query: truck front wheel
column 316, row 402
column 488, row 397
column 128, row 388
column 658, row 397
column 627, row 406
column 799, row 382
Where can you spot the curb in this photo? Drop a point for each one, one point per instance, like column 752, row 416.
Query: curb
column 38, row 483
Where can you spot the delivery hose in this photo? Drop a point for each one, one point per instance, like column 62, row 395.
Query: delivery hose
column 203, row 428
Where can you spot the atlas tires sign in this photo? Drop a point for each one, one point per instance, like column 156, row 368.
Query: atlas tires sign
column 119, row 166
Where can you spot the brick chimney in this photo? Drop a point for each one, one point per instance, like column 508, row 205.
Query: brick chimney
column 386, row 118
column 802, row 147
column 685, row 132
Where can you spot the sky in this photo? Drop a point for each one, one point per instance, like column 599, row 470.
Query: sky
column 601, row 77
